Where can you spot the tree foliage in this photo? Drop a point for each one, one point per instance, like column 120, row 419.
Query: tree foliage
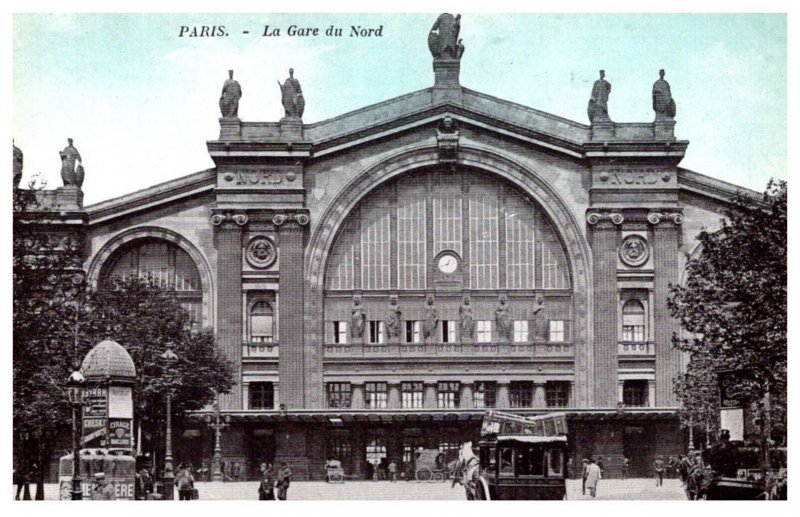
column 733, row 302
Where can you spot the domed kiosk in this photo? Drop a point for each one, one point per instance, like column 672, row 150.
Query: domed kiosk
column 107, row 423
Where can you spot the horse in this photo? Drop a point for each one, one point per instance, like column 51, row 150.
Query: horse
column 466, row 471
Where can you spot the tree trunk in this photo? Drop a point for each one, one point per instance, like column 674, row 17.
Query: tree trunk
column 766, row 431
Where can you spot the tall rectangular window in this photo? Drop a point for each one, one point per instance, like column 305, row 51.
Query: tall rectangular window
column 483, row 230
column 448, row 331
column 483, row 329
column 557, row 393
column 261, row 395
column 376, row 395
column 339, row 332
column 556, row 331
column 447, row 395
column 447, row 223
column 411, row 393
column 411, row 243
column 376, row 249
column 520, row 252
column 485, row 394
column 339, row 394
column 633, row 321
column 521, row 393
column 262, row 323
column 635, row 393
column 413, row 331
column 376, row 332
column 521, row 331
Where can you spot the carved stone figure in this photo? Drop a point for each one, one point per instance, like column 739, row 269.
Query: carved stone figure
column 443, row 39
column 598, row 102
column 393, row 319
column 357, row 318
column 17, row 165
column 431, row 319
column 503, row 319
column 663, row 104
column 539, row 317
column 466, row 320
column 70, row 174
column 292, row 96
column 229, row 98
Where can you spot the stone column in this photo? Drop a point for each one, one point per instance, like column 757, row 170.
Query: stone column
column 503, row 399
column 394, row 395
column 429, row 395
column 276, row 389
column 229, row 298
column 290, row 320
column 357, row 397
column 621, row 390
column 651, row 393
column 466, row 401
column 665, row 265
column 604, row 250
column 539, row 400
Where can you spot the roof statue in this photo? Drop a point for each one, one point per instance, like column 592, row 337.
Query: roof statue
column 663, row 104
column 598, row 102
column 17, row 165
column 443, row 39
column 229, row 99
column 71, row 173
column 292, row 96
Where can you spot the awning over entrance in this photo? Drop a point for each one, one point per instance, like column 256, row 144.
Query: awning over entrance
column 420, row 416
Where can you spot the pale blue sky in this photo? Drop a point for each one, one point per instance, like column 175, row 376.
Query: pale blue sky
column 141, row 102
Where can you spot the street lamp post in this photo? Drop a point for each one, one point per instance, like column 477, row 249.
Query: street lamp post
column 169, row 358
column 217, row 425
column 75, row 390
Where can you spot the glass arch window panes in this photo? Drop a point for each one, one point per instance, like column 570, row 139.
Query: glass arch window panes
column 633, row 321
column 169, row 267
column 262, row 323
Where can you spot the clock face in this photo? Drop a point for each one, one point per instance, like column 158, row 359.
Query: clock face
column 448, row 263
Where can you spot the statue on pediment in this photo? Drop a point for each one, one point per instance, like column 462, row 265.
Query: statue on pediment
column 466, row 320
column 443, row 39
column 503, row 319
column 393, row 319
column 539, row 318
column 71, row 165
column 357, row 318
column 292, row 96
column 598, row 102
column 229, row 99
column 663, row 103
column 17, row 165
column 431, row 319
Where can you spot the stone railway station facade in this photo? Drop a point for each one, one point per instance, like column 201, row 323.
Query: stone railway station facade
column 380, row 278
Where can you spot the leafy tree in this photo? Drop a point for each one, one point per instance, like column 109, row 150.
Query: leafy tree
column 734, row 304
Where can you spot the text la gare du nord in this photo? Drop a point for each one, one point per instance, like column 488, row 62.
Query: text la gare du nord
column 221, row 31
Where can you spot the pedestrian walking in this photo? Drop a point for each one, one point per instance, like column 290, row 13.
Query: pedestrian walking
column 236, row 471
column 683, row 469
column 659, row 466
column 600, row 465
column 593, row 476
column 184, row 482
column 584, row 472
column 22, row 479
column 393, row 471
column 266, row 489
column 284, row 479
column 102, row 490
column 625, row 465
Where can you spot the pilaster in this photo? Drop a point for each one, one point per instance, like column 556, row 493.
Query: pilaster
column 291, row 362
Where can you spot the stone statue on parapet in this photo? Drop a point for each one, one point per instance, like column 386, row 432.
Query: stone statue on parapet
column 443, row 39
column 598, row 102
column 467, row 321
column 431, row 320
column 393, row 321
column 229, row 99
column 663, row 103
column 503, row 319
column 292, row 96
column 357, row 318
column 17, row 164
column 71, row 165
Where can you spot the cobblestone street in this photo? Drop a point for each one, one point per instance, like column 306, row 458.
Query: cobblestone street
column 613, row 489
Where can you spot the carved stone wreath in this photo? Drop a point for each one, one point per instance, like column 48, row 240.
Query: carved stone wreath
column 261, row 253
column 634, row 251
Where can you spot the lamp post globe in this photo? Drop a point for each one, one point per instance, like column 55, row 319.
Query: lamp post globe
column 75, row 391
column 169, row 358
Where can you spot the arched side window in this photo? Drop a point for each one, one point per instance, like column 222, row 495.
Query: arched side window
column 262, row 323
column 633, row 328
column 169, row 266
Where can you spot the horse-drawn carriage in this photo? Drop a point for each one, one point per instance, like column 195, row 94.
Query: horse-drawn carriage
column 334, row 471
column 520, row 458
column 430, row 465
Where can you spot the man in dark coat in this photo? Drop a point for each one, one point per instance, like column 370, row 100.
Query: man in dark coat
column 284, row 478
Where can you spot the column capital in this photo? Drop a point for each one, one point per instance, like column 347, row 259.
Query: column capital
column 296, row 219
column 228, row 219
column 612, row 219
column 665, row 220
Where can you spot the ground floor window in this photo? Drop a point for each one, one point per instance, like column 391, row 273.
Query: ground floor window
column 339, row 394
column 261, row 395
column 635, row 392
column 376, row 394
column 485, row 394
column 557, row 393
column 447, row 395
column 521, row 394
column 411, row 395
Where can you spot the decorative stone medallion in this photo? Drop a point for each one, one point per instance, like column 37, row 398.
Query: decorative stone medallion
column 261, row 253
column 634, row 251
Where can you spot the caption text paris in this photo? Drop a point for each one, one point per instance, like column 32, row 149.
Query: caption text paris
column 221, row 31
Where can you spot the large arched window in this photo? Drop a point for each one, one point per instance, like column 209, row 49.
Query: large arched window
column 633, row 321
column 262, row 323
column 169, row 266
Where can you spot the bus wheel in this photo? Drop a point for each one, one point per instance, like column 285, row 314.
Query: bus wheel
column 424, row 474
